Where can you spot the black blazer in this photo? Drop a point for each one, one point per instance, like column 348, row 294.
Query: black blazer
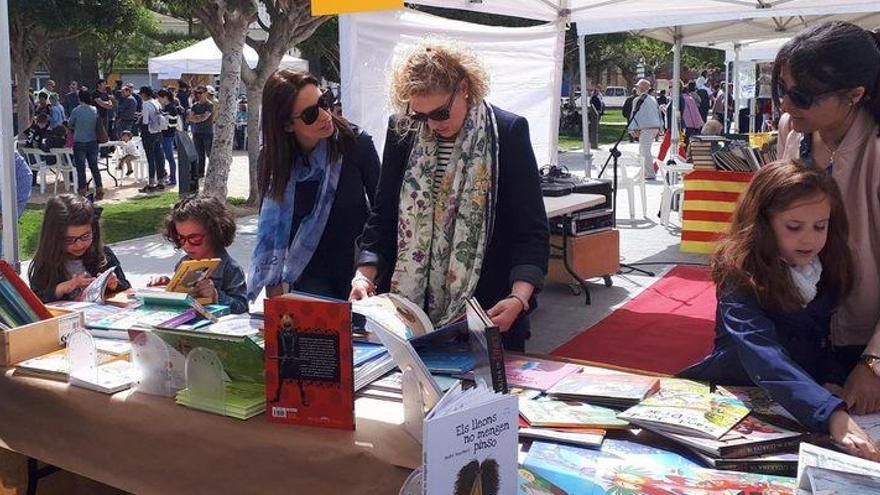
column 520, row 244
column 331, row 268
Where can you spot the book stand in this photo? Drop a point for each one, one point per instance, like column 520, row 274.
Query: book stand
column 152, row 358
column 205, row 379
column 82, row 356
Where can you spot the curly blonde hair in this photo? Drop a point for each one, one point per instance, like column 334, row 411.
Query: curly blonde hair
column 434, row 65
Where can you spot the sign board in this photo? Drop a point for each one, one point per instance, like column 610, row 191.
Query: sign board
column 332, row 7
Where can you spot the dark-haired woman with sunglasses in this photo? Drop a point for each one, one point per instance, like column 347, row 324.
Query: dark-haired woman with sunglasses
column 827, row 82
column 459, row 212
column 317, row 176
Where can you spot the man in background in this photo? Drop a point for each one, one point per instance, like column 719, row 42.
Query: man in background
column 201, row 117
column 645, row 124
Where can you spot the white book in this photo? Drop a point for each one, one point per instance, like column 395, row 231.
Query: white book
column 871, row 424
column 112, row 377
column 826, row 472
column 469, row 443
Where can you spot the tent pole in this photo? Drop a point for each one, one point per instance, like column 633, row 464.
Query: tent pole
column 585, row 105
column 7, row 163
column 676, row 92
column 736, row 82
column 726, row 90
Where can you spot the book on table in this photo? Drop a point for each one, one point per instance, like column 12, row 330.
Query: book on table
column 18, row 304
column 56, row 366
column 605, row 390
column 242, row 400
column 590, row 438
column 469, row 443
column 371, row 361
column 174, row 299
column 114, row 376
column 116, row 324
column 550, row 413
column 826, row 472
column 687, row 412
column 309, row 361
column 762, row 405
column 776, row 464
column 536, row 373
column 191, row 272
column 750, row 437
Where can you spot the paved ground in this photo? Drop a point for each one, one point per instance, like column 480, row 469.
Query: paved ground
column 561, row 314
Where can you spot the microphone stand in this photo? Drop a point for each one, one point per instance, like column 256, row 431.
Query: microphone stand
column 614, row 156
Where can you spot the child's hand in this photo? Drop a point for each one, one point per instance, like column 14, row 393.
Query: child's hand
column 205, row 288
column 849, row 435
column 78, row 281
column 157, row 281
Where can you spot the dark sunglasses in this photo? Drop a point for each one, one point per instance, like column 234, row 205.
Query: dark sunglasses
column 192, row 239
column 801, row 98
column 310, row 114
column 438, row 114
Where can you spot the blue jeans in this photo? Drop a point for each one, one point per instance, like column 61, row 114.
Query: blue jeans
column 153, row 150
column 81, row 153
column 168, row 149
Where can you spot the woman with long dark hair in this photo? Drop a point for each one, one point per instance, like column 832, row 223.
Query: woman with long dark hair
column 827, row 82
column 317, row 177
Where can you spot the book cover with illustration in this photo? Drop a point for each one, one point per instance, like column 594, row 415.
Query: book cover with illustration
column 762, row 405
column 97, row 290
column 540, row 374
column 610, row 390
column 750, row 437
column 531, row 483
column 308, row 361
column 688, row 412
column 469, row 444
column 545, row 412
column 191, row 272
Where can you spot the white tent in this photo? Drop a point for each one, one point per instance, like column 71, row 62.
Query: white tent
column 204, row 58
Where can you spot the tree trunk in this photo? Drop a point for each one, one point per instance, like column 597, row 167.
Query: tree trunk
column 232, row 45
column 23, row 74
column 255, row 105
column 89, row 68
column 64, row 63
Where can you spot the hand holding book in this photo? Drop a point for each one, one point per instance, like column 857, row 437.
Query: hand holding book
column 79, row 281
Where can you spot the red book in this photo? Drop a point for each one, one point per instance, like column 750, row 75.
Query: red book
column 309, row 371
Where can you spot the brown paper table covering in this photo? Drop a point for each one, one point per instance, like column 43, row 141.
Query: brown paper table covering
column 147, row 444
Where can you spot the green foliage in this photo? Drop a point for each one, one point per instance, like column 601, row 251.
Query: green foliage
column 324, row 45
column 128, row 40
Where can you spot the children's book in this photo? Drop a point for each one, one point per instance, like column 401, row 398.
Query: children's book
column 584, row 438
column 191, row 272
column 394, row 313
column 531, row 483
column 488, row 352
column 828, row 472
column 549, row 413
column 540, row 374
column 367, row 351
column 687, row 412
column 762, row 405
column 447, row 361
column 153, row 297
column 97, row 290
column 777, row 464
column 55, row 365
column 308, row 361
column 750, row 437
column 114, row 376
column 605, row 390
column 18, row 303
column 469, row 443
column 241, row 356
column 242, row 400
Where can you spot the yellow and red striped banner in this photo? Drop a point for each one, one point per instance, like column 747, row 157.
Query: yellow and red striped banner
column 709, row 200
column 332, row 7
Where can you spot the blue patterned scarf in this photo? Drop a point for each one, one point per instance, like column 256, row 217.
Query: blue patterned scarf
column 276, row 259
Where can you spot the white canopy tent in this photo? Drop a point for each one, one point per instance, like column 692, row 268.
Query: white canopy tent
column 204, row 58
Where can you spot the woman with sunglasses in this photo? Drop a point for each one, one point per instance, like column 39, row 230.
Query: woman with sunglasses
column 827, row 82
column 317, row 176
column 459, row 212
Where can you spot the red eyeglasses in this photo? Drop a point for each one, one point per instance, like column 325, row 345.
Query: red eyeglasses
column 191, row 239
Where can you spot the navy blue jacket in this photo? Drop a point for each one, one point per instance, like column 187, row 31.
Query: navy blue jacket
column 787, row 354
column 520, row 244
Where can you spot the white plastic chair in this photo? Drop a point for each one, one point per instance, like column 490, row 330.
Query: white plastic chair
column 673, row 190
column 35, row 159
column 629, row 180
column 140, row 165
column 64, row 168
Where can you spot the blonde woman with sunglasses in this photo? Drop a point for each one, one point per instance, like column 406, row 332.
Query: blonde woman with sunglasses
column 317, row 177
column 459, row 212
column 827, row 82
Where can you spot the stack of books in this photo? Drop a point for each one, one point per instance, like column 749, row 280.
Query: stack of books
column 19, row 306
column 371, row 362
column 242, row 400
column 701, row 149
column 617, row 391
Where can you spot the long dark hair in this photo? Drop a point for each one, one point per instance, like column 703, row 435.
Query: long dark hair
column 748, row 257
column 833, row 56
column 280, row 148
column 62, row 211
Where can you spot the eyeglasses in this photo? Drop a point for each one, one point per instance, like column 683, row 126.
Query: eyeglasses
column 438, row 114
column 310, row 114
column 191, row 239
column 800, row 98
column 71, row 240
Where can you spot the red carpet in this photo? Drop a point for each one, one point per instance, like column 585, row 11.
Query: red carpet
column 664, row 329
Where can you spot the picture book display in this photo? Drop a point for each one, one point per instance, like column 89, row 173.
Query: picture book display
column 545, row 412
column 750, row 437
column 308, row 361
column 18, row 304
column 687, row 412
column 470, row 443
column 531, row 483
column 777, row 464
column 607, row 390
column 536, row 373
column 191, row 272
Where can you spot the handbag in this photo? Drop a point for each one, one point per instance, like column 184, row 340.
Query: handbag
column 101, row 131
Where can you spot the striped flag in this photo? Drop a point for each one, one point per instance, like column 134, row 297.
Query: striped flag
column 709, row 200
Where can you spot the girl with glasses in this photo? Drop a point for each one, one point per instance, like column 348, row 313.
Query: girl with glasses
column 317, row 177
column 459, row 211
column 827, row 82
column 70, row 253
column 203, row 227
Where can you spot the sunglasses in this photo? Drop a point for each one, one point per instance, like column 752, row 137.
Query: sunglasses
column 71, row 240
column 438, row 114
column 191, row 239
column 801, row 98
column 310, row 114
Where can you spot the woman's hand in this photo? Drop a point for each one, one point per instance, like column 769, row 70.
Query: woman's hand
column 362, row 285
column 851, row 436
column 505, row 313
column 862, row 390
column 159, row 281
column 205, row 288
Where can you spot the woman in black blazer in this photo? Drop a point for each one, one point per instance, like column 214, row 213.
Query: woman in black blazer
column 318, row 177
column 459, row 211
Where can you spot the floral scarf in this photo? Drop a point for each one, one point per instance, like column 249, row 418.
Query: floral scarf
column 442, row 238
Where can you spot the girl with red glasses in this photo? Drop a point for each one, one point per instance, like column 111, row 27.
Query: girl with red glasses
column 70, row 253
column 203, row 227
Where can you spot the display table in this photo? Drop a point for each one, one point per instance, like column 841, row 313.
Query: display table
column 148, row 444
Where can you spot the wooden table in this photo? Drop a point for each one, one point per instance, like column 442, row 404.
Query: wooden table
column 565, row 206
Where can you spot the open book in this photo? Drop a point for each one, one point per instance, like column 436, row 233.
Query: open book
column 687, row 412
column 191, row 272
column 826, row 472
column 96, row 291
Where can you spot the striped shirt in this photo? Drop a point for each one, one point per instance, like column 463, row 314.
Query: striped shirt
column 444, row 153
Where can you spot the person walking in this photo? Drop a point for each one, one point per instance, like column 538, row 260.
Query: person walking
column 646, row 124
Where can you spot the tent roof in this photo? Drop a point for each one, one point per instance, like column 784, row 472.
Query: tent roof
column 204, row 58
